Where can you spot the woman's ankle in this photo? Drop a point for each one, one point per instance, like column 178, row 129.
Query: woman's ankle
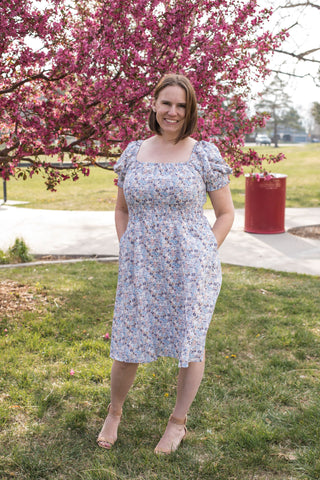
column 114, row 411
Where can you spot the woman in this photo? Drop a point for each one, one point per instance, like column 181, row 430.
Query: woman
column 169, row 270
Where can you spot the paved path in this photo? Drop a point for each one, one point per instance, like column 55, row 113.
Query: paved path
column 61, row 232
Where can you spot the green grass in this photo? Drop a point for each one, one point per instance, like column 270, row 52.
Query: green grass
column 97, row 192
column 256, row 415
column 302, row 165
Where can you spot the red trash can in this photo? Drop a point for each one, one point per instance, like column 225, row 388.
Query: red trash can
column 265, row 203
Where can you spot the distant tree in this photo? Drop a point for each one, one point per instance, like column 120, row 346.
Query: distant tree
column 316, row 112
column 292, row 119
column 276, row 103
column 76, row 76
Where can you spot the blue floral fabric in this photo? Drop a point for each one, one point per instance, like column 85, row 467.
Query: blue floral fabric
column 169, row 269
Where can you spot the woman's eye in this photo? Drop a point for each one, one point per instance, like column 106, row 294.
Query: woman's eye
column 164, row 102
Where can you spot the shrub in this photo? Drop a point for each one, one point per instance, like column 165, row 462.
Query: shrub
column 18, row 253
column 3, row 258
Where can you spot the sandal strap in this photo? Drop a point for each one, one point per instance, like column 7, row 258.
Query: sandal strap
column 113, row 414
column 178, row 421
column 101, row 440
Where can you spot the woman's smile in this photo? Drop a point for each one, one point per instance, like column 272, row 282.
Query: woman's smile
column 170, row 107
column 171, row 121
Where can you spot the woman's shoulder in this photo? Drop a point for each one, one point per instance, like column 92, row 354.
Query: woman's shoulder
column 210, row 158
column 125, row 159
column 208, row 148
column 132, row 146
column 207, row 153
column 130, row 151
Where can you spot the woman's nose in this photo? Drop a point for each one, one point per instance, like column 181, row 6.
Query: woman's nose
column 172, row 110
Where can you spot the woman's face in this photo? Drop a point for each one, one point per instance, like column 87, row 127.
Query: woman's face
column 170, row 107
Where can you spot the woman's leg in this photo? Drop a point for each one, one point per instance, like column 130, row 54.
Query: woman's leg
column 122, row 377
column 189, row 380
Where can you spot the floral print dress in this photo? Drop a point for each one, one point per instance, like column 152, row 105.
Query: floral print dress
column 169, row 269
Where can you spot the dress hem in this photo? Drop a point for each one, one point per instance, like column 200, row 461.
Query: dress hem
column 181, row 364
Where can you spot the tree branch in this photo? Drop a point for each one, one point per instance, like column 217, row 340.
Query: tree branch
column 292, row 26
column 41, row 76
column 18, row 84
column 302, row 4
column 299, row 56
column 59, row 166
column 308, row 52
column 293, row 74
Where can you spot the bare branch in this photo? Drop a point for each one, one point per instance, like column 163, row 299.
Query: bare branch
column 308, row 52
column 302, row 4
column 291, row 26
column 289, row 74
column 299, row 56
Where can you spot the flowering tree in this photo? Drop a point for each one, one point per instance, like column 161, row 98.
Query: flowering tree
column 76, row 76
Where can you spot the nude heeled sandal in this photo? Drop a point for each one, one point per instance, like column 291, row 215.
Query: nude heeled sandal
column 103, row 442
column 175, row 442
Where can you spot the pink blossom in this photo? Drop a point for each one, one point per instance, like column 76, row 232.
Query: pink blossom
column 85, row 93
column 106, row 336
column 72, row 371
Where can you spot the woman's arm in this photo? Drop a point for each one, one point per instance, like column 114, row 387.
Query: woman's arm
column 121, row 213
column 224, row 210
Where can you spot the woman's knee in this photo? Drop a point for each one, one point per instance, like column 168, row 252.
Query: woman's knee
column 125, row 365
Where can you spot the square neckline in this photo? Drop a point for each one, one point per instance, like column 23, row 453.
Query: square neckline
column 140, row 142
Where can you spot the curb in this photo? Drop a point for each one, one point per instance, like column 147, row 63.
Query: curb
column 54, row 262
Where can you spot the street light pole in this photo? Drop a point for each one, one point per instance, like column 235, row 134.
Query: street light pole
column 4, row 191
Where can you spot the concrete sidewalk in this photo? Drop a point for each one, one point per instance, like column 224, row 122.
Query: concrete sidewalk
column 60, row 232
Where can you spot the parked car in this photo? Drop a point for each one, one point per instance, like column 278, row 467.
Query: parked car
column 262, row 139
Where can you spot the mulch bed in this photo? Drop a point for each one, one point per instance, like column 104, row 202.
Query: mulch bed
column 310, row 231
column 17, row 297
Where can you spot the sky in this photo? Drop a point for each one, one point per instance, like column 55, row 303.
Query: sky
column 303, row 37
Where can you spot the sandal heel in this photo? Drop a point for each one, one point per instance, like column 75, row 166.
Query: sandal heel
column 174, row 445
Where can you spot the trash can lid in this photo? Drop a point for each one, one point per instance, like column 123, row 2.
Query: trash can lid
column 273, row 175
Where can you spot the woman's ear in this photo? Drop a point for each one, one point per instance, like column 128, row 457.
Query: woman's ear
column 153, row 105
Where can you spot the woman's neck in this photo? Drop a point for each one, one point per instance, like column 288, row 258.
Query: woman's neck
column 166, row 141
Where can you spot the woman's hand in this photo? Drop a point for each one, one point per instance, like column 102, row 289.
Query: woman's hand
column 224, row 210
column 121, row 213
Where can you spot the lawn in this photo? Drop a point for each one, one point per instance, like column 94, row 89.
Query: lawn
column 98, row 192
column 302, row 165
column 256, row 415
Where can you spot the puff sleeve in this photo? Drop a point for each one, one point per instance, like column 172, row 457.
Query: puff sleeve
column 215, row 170
column 121, row 167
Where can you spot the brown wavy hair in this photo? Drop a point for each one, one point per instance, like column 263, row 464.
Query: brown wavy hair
column 191, row 117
